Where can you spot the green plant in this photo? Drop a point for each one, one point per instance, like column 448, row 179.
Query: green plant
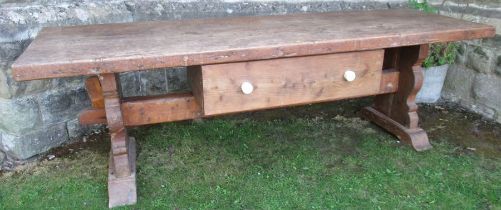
column 440, row 53
column 422, row 6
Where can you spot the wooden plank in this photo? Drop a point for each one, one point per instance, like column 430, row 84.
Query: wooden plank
column 389, row 81
column 416, row 137
column 397, row 112
column 111, row 48
column 290, row 81
column 390, row 58
column 122, row 170
column 401, row 106
column 120, row 164
column 195, row 79
column 174, row 107
column 122, row 190
column 92, row 116
column 149, row 110
column 95, row 92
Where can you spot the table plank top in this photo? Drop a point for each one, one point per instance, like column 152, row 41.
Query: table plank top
column 111, row 48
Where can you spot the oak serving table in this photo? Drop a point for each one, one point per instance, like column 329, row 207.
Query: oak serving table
column 239, row 64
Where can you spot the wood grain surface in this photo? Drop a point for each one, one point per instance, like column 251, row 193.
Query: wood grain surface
column 289, row 81
column 110, row 48
column 180, row 106
column 157, row 109
column 397, row 112
column 95, row 92
column 120, row 164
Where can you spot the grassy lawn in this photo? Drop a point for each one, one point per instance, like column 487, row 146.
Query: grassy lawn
column 312, row 157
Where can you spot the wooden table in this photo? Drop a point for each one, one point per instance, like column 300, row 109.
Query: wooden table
column 241, row 64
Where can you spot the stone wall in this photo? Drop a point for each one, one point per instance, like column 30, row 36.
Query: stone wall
column 474, row 81
column 39, row 115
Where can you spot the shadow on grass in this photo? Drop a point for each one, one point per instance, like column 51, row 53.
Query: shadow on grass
column 320, row 156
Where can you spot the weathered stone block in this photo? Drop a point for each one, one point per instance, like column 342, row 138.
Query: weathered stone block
column 480, row 59
column 153, row 82
column 23, row 20
column 67, row 83
column 19, row 115
column 8, row 87
column 76, row 130
column 487, row 89
column 177, row 80
column 129, row 83
column 61, row 104
column 35, row 142
column 494, row 42
column 458, row 84
column 2, row 157
column 4, row 85
column 482, row 110
column 9, row 51
column 498, row 65
column 28, row 87
column 166, row 10
column 462, row 55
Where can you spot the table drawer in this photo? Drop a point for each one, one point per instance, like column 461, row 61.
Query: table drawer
column 244, row 86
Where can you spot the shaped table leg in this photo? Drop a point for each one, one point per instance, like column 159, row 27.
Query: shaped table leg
column 397, row 112
column 122, row 170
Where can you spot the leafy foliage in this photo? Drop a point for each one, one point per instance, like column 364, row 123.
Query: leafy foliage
column 422, row 6
column 441, row 54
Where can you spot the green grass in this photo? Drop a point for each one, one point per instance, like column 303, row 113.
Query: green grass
column 296, row 162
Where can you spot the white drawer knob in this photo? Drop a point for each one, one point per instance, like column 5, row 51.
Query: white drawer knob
column 349, row 75
column 247, row 88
